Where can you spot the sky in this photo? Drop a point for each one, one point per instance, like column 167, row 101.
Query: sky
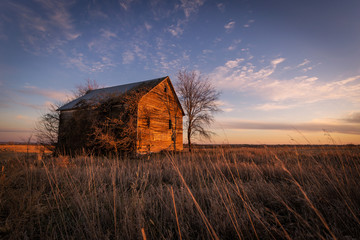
column 288, row 71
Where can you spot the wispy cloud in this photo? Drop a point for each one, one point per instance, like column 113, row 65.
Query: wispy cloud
column 44, row 106
column 107, row 34
column 234, row 75
column 234, row 44
column 48, row 93
column 248, row 24
column 230, row 25
column 125, row 4
column 307, row 69
column 105, row 43
column 244, row 76
column 147, row 26
column 272, row 106
column 207, row 51
column 96, row 13
column 128, row 57
column 306, row 126
column 225, row 106
column 277, row 61
column 140, row 53
column 176, row 30
column 167, row 61
column 305, row 62
column 306, row 65
column 48, row 30
column 78, row 61
column 234, row 63
column 191, row 6
column 84, row 64
column 353, row 117
column 221, row 7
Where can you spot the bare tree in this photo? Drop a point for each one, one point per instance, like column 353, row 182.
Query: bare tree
column 46, row 128
column 198, row 97
column 82, row 89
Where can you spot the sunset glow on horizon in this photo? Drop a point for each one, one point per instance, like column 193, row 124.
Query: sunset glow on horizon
column 288, row 71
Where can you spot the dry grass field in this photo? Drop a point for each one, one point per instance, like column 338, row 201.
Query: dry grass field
column 306, row 192
column 23, row 148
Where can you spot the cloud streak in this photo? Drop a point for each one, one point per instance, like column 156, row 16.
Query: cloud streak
column 108, row 34
column 229, row 26
column 308, row 126
column 272, row 106
column 305, row 62
column 353, row 117
column 48, row 93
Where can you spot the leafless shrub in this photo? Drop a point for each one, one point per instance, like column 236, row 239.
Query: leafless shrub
column 82, row 89
column 46, row 128
column 114, row 123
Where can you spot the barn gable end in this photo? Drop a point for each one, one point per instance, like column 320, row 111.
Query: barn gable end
column 160, row 120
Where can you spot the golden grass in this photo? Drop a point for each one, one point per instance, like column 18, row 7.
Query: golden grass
column 225, row 193
column 23, row 148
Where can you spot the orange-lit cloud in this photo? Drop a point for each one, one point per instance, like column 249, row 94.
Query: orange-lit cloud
column 341, row 127
column 48, row 93
column 244, row 76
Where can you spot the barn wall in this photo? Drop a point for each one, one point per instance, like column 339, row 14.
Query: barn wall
column 155, row 110
column 74, row 126
column 64, row 120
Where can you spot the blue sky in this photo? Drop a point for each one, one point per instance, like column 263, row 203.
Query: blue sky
column 287, row 70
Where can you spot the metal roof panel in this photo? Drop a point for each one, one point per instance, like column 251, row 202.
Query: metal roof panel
column 98, row 93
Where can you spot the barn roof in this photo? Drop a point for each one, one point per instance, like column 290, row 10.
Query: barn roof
column 120, row 89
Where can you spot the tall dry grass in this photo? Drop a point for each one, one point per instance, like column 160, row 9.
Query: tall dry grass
column 233, row 193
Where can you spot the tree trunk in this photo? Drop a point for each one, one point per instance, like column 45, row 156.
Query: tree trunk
column 174, row 134
column 189, row 138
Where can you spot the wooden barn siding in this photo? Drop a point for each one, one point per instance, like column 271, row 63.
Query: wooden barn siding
column 65, row 117
column 160, row 107
column 72, row 134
